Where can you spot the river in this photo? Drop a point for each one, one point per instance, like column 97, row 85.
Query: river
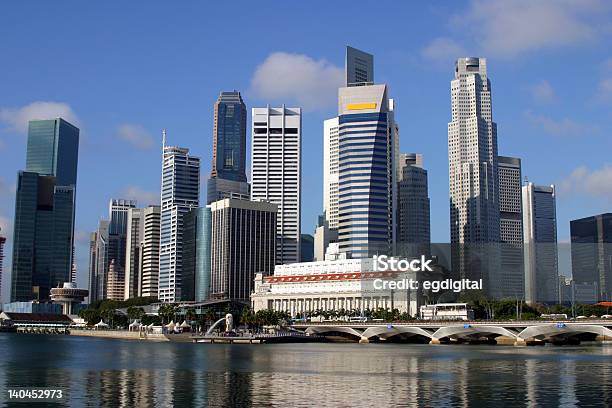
column 104, row 372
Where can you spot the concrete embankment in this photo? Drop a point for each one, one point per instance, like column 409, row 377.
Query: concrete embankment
column 118, row 334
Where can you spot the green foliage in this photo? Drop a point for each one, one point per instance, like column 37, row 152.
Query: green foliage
column 135, row 313
column 167, row 312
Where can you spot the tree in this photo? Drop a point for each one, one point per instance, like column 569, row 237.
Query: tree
column 135, row 313
column 190, row 314
column 167, row 311
column 91, row 316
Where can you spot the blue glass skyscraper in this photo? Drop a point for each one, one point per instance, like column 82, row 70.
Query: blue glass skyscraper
column 44, row 210
column 228, row 176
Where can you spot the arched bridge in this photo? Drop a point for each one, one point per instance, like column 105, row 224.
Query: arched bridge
column 520, row 333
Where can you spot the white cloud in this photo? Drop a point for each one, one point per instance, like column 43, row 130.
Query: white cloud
column 560, row 127
column 508, row 28
column 297, row 78
column 596, row 183
column 6, row 227
column 543, row 92
column 143, row 197
column 604, row 91
column 443, row 50
column 17, row 118
column 136, row 135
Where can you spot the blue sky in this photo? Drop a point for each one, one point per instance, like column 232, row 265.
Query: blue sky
column 122, row 71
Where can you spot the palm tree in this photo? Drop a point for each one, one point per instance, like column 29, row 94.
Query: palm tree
column 167, row 311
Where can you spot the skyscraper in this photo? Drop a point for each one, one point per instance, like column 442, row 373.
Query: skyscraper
column 360, row 160
column 228, row 176
column 196, row 254
column 510, row 282
column 540, row 242
column 330, row 173
column 276, row 173
column 413, row 235
column 108, row 248
column 368, row 143
column 243, row 243
column 133, row 251
column 180, row 192
column 44, row 210
column 592, row 252
column 359, row 67
column 148, row 281
column 472, row 149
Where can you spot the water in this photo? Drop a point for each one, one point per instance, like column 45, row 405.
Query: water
column 103, row 372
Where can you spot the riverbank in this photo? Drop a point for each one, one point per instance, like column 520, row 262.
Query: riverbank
column 121, row 335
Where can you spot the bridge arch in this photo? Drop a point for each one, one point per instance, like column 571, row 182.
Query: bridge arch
column 329, row 329
column 386, row 332
column 469, row 330
column 552, row 330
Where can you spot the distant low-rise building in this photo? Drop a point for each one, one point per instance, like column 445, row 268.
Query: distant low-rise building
column 69, row 297
column 333, row 285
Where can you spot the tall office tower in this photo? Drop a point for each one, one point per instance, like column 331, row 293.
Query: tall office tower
column 108, row 246
column 368, row 143
column 276, row 173
column 228, row 176
column 180, row 192
column 196, row 254
column 2, row 242
column 510, row 282
column 359, row 67
column 148, row 281
column 592, row 253
column 413, row 230
column 133, row 251
column 98, row 261
column 472, row 163
column 44, row 210
column 243, row 243
column 330, row 173
column 540, row 242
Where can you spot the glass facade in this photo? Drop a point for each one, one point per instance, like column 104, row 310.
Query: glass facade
column 44, row 210
column 229, row 137
column 196, row 254
column 53, row 148
column 364, row 183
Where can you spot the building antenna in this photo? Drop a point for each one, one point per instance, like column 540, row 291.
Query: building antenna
column 163, row 139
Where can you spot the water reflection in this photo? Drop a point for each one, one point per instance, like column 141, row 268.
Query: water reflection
column 129, row 374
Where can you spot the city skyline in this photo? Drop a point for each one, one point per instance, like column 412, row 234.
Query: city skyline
column 525, row 111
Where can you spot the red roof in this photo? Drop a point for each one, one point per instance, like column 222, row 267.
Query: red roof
column 605, row 304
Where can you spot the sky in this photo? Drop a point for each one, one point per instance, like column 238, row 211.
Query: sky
column 123, row 71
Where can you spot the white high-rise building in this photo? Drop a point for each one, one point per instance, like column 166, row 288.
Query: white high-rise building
column 276, row 173
column 180, row 192
column 330, row 172
column 148, row 282
column 472, row 149
column 135, row 231
column 540, row 240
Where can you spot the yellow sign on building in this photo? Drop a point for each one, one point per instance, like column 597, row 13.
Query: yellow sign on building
column 360, row 106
